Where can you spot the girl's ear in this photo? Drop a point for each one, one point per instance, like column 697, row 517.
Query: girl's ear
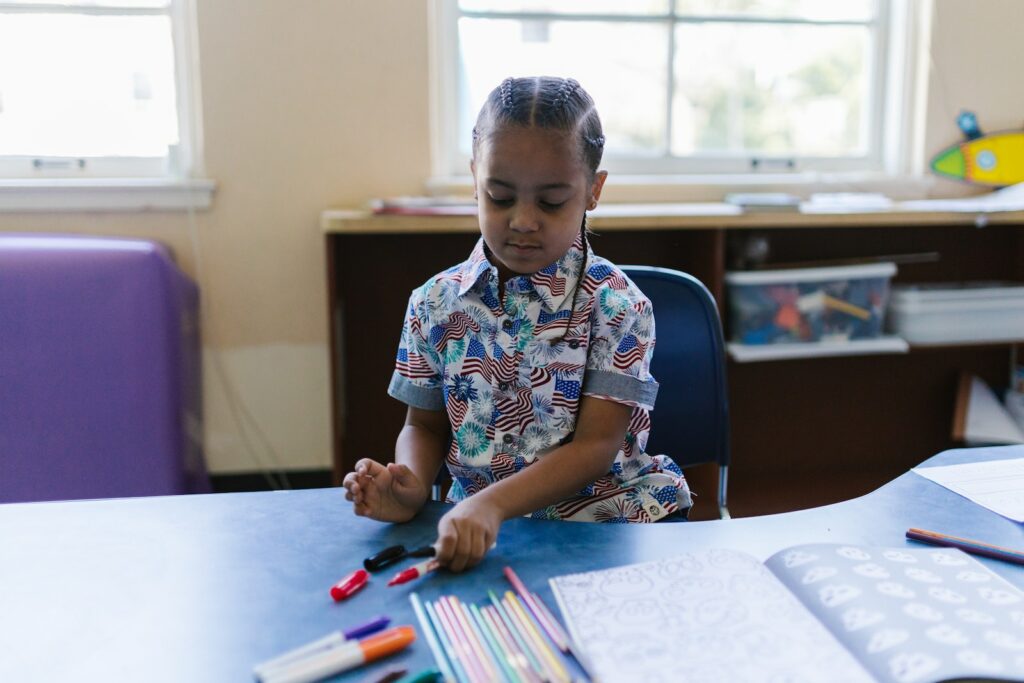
column 595, row 189
column 472, row 170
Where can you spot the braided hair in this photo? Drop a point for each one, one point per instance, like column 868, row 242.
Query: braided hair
column 544, row 102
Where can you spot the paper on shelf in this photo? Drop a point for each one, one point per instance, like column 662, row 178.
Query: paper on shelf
column 1007, row 199
column 744, row 353
column 846, row 202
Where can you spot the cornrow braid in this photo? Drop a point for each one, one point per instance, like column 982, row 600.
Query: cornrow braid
column 507, row 102
column 544, row 102
column 565, row 92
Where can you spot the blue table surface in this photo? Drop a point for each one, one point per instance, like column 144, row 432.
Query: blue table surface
column 201, row 588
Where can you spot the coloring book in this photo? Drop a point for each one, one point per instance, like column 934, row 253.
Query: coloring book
column 809, row 613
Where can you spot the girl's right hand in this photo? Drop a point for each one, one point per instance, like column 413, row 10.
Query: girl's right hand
column 387, row 493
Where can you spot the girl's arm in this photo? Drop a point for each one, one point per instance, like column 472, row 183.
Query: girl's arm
column 471, row 528
column 422, row 443
column 395, row 492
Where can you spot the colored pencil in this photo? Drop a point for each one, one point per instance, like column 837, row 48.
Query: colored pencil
column 453, row 650
column 474, row 666
column 521, row 660
column 498, row 653
column 528, row 651
column 474, row 669
column 475, row 642
column 575, row 650
column 553, row 664
column 431, row 637
column 557, row 636
column 967, row 545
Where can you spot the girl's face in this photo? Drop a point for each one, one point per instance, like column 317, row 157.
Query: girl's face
column 532, row 190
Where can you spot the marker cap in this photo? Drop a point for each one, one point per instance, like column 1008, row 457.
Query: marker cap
column 372, row 626
column 350, row 584
column 383, row 644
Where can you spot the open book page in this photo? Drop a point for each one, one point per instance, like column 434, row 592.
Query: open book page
column 911, row 614
column 715, row 615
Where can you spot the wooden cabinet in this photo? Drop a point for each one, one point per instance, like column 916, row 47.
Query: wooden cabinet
column 805, row 432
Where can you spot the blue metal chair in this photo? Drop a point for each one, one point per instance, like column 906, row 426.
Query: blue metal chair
column 690, row 422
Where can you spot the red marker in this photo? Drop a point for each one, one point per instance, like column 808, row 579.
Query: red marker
column 349, row 585
column 414, row 572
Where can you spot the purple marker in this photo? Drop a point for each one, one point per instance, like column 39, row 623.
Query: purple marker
column 328, row 642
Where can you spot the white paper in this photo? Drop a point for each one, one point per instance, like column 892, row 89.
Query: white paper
column 846, row 202
column 994, row 484
column 1007, row 199
column 988, row 422
column 716, row 615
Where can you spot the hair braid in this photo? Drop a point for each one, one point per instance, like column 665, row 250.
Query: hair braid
column 507, row 99
column 565, row 92
column 545, row 102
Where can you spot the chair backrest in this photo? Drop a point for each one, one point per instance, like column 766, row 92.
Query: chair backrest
column 690, row 422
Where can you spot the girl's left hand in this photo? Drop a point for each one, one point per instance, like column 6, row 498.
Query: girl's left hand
column 466, row 533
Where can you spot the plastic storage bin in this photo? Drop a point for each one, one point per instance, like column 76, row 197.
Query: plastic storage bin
column 958, row 313
column 808, row 304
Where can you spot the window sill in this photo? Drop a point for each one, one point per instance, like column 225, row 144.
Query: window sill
column 708, row 187
column 105, row 194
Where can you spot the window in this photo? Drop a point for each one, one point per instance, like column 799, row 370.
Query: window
column 95, row 88
column 693, row 86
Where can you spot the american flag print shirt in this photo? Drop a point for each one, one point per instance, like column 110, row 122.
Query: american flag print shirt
column 510, row 374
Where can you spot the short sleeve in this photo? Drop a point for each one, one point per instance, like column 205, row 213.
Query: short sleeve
column 621, row 347
column 417, row 379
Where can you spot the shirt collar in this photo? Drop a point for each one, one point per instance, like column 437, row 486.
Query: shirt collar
column 552, row 284
column 474, row 268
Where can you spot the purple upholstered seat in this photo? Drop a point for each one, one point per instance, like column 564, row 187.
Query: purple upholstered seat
column 99, row 370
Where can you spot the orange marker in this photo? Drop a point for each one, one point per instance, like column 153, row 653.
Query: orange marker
column 343, row 658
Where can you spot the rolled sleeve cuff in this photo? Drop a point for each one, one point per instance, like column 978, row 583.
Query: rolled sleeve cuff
column 619, row 387
column 415, row 395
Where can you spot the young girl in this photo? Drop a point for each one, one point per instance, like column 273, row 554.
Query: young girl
column 526, row 367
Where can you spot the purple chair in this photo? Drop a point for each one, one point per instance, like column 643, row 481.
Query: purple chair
column 99, row 370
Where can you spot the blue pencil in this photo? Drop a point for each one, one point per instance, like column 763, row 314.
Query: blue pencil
column 518, row 637
column 449, row 648
column 432, row 639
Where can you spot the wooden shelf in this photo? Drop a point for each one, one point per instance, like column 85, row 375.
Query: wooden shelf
column 803, row 432
column 744, row 353
column 697, row 216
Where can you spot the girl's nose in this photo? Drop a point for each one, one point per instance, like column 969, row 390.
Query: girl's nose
column 525, row 218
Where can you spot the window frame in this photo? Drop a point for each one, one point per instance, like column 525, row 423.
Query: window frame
column 118, row 183
column 896, row 108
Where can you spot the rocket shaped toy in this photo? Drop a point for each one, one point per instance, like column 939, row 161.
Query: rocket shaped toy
column 995, row 159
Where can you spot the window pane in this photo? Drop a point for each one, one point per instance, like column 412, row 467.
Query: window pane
column 103, row 85
column 847, row 10
column 641, row 7
column 756, row 89
column 628, row 84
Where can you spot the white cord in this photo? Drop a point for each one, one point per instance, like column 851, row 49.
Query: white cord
column 239, row 411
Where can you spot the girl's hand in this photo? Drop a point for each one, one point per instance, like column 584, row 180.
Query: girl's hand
column 387, row 493
column 467, row 532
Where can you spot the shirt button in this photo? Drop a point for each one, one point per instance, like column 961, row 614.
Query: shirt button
column 503, row 386
column 574, row 344
column 507, row 438
column 507, row 325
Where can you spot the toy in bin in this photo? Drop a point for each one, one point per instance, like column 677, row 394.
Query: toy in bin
column 832, row 304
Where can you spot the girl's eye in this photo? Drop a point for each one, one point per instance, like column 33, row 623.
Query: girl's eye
column 551, row 206
column 500, row 201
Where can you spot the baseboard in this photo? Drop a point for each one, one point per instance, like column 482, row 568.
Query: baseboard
column 271, row 481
